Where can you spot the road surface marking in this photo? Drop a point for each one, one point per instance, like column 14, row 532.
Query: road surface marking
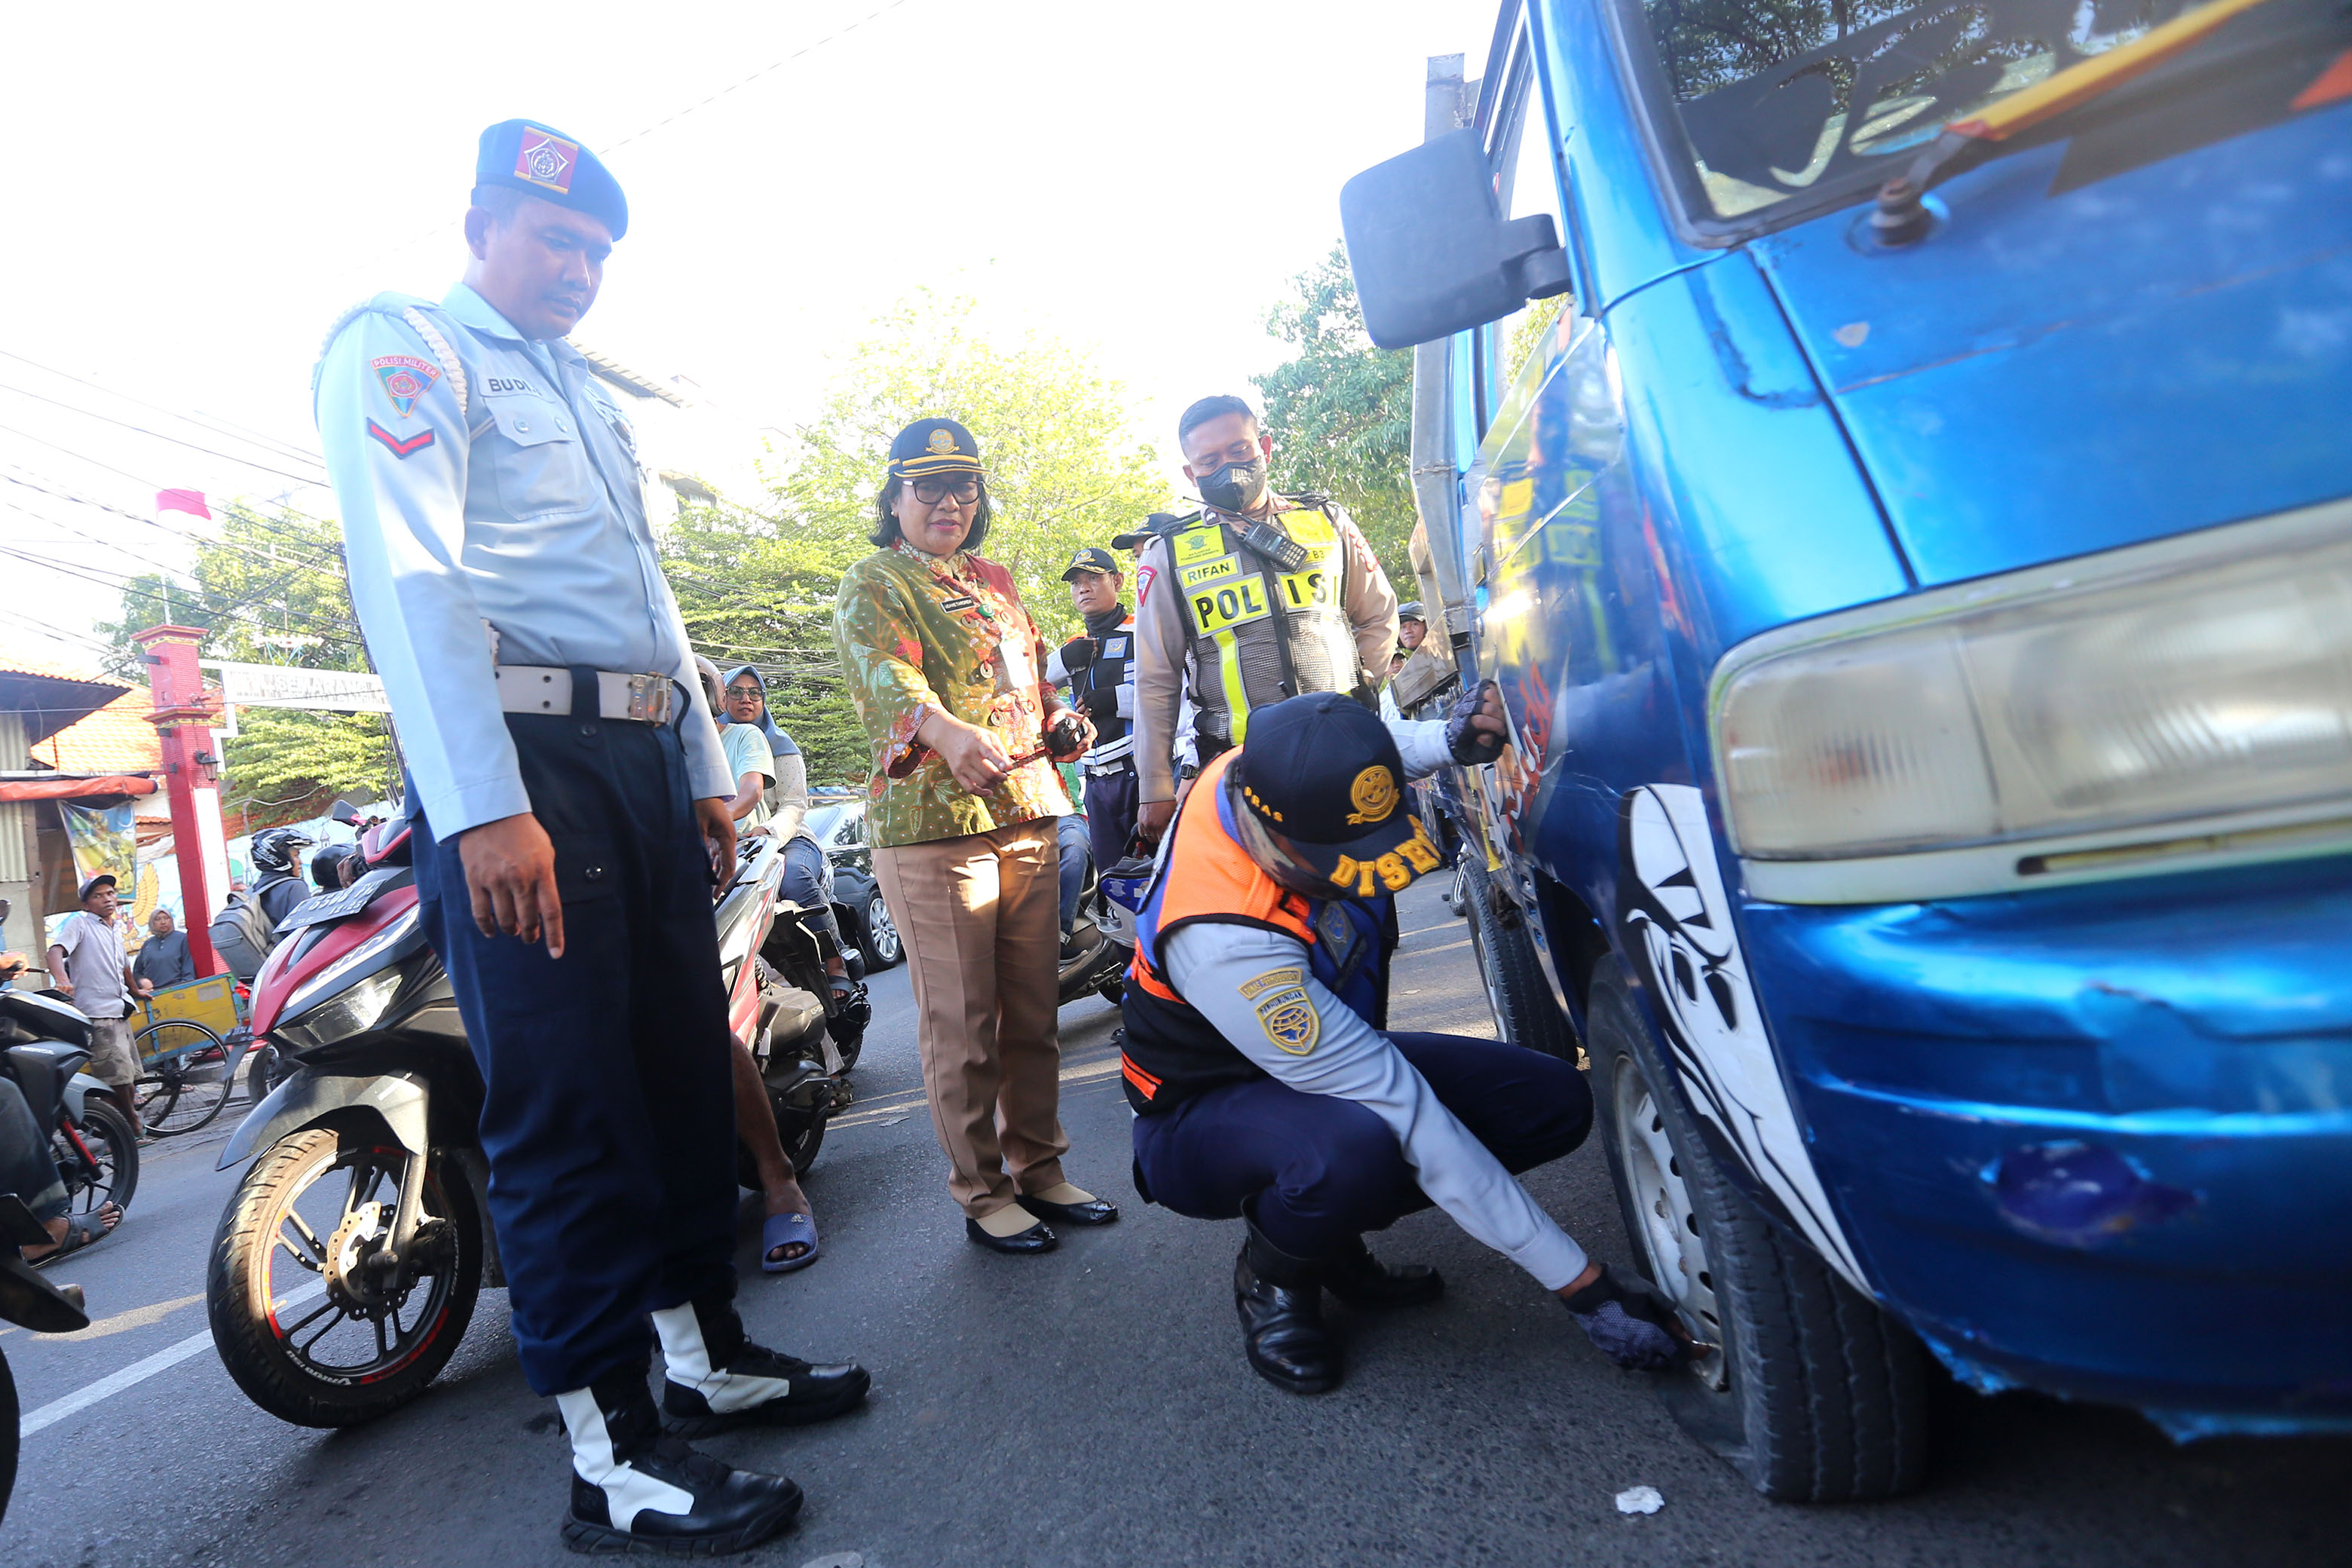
column 122, row 1322
column 139, row 1372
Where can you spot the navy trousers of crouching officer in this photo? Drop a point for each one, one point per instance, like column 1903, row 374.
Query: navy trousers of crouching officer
column 609, row 1117
column 1314, row 1171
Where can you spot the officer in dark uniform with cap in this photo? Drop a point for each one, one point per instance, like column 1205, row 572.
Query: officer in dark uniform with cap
column 568, row 796
column 1264, row 1081
column 1099, row 666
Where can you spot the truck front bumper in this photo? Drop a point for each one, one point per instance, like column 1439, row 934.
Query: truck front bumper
column 2095, row 1141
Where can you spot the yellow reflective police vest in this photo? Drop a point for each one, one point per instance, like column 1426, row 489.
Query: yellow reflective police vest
column 1251, row 627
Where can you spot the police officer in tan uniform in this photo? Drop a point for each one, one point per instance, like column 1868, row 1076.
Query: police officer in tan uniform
column 1258, row 597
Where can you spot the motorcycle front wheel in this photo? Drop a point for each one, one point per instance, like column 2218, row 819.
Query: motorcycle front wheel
column 98, row 1158
column 309, row 1331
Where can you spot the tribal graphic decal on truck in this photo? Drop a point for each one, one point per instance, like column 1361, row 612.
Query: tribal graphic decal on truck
column 1678, row 927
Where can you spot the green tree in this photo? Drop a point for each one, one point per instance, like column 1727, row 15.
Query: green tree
column 1064, row 469
column 1341, row 412
column 269, row 588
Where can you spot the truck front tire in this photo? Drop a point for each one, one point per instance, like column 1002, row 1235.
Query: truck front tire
column 1814, row 1393
column 1525, row 1014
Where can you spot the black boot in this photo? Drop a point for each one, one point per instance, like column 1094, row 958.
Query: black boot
column 716, row 1378
column 634, row 1489
column 1280, row 1299
column 1361, row 1280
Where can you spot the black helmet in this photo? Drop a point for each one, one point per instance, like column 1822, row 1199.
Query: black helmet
column 278, row 850
column 327, row 866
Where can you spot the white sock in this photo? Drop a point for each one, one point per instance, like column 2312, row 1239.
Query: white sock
column 628, row 1492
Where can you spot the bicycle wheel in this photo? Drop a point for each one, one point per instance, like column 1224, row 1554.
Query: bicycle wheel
column 189, row 1084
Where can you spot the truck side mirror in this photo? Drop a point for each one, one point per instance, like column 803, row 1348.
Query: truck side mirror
column 1431, row 251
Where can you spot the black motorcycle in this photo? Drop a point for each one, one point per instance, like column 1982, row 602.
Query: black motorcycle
column 44, row 1045
column 29, row 1301
column 1102, row 938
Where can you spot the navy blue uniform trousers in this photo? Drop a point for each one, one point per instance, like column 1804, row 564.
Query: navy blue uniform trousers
column 1314, row 1171
column 1110, row 815
column 609, row 1116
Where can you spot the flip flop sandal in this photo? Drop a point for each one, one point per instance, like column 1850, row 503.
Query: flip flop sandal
column 81, row 1229
column 782, row 1230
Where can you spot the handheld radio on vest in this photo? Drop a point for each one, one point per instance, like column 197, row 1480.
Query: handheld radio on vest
column 1264, row 538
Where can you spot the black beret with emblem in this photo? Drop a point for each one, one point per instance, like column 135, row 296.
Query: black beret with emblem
column 934, row 446
column 525, row 155
column 1322, row 774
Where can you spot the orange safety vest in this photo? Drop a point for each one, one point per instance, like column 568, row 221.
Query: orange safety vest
column 1172, row 1052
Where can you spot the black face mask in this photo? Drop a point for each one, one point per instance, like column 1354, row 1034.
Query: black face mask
column 1237, row 487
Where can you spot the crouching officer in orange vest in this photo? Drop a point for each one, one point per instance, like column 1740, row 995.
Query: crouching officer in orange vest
column 1263, row 1083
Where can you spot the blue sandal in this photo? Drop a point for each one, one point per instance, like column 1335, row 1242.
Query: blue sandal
column 782, row 1230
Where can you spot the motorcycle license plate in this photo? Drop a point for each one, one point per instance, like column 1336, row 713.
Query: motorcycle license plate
column 323, row 907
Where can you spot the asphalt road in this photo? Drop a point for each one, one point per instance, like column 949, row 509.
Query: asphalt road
column 1091, row 1408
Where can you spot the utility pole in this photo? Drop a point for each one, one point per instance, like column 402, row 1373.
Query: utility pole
column 192, row 772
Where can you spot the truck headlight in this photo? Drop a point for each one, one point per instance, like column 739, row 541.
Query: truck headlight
column 2203, row 676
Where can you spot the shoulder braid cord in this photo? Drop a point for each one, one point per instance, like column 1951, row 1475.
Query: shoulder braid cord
column 450, row 366
column 423, row 328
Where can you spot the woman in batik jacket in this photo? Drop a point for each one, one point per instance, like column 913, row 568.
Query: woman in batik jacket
column 945, row 667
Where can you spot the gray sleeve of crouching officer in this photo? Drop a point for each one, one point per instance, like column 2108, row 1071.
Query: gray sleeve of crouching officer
column 1255, row 985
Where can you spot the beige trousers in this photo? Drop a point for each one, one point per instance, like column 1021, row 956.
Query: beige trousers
column 981, row 917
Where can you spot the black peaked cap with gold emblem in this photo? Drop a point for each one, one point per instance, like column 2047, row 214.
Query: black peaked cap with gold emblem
column 934, row 446
column 1323, row 771
column 527, row 156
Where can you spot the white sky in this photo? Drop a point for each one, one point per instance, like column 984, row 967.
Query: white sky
column 197, row 192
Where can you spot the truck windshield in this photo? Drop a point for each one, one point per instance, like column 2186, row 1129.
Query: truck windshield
column 1781, row 107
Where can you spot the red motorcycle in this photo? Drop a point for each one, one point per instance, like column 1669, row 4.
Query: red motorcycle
column 345, row 1267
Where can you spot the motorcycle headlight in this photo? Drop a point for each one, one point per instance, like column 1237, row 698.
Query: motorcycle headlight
column 2190, row 696
column 351, row 993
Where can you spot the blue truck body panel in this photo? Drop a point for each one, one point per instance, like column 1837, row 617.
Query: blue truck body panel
column 2094, row 1140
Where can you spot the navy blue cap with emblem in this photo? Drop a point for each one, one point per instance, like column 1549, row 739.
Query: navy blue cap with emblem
column 1321, row 774
column 1093, row 558
column 934, row 446
column 527, row 156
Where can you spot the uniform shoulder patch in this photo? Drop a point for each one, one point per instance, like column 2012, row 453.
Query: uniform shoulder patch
column 406, row 379
column 1289, row 1019
column 1143, row 578
column 1253, row 989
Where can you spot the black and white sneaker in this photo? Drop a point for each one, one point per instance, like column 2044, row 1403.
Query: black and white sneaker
column 635, row 1490
column 718, row 1379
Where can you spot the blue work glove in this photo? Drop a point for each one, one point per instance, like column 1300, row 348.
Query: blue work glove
column 1628, row 1326
column 1468, row 745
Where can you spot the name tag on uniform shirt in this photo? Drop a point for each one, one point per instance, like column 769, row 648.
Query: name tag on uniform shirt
column 507, row 386
column 1114, row 648
column 961, row 602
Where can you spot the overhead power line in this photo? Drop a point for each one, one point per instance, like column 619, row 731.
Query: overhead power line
column 233, row 431
column 333, row 572
column 320, row 481
column 755, row 76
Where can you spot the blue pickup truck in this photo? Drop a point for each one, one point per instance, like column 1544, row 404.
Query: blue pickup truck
column 1896, row 461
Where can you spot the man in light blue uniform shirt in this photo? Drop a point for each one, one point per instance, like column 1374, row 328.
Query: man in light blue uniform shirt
column 569, row 792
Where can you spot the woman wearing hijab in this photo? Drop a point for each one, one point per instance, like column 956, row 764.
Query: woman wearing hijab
column 944, row 664
column 808, row 873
